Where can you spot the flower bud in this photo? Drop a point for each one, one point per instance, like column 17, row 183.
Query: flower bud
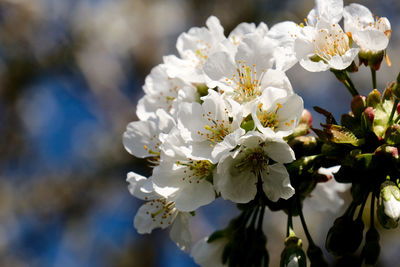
column 374, row 98
column 368, row 117
column 293, row 255
column 345, row 236
column 316, row 257
column 395, row 86
column 388, row 93
column 387, row 151
column 371, row 250
column 389, row 205
column 358, row 104
column 306, row 117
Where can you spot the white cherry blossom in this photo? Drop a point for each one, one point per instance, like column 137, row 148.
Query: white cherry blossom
column 239, row 172
column 142, row 138
column 158, row 212
column 162, row 91
column 194, row 48
column 187, row 181
column 212, row 128
column 322, row 44
column 236, row 36
column 277, row 112
column 243, row 75
column 284, row 33
column 370, row 34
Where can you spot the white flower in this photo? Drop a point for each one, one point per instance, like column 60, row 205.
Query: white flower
column 370, row 34
column 239, row 172
column 236, row 36
column 189, row 179
column 277, row 112
column 209, row 254
column 194, row 47
column 163, row 92
column 142, row 138
column 322, row 44
column 244, row 75
column 284, row 34
column 325, row 196
column 158, row 212
column 212, row 128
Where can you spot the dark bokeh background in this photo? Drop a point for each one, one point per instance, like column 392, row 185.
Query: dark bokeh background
column 70, row 76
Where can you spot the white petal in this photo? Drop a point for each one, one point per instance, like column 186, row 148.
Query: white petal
column 277, row 79
column 342, row 62
column 230, row 141
column 276, row 182
column 140, row 137
column 180, row 232
column 279, row 151
column 140, row 187
column 194, row 195
column 371, row 40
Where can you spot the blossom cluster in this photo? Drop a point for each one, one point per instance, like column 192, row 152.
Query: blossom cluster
column 216, row 119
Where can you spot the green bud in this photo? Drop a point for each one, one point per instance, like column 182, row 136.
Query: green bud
column 345, row 236
column 388, row 212
column 395, row 86
column 293, row 255
column 358, row 104
column 388, row 93
column 388, row 152
column 371, row 250
column 316, row 257
column 374, row 98
column 392, row 135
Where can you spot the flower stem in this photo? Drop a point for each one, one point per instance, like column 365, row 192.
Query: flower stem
column 372, row 213
column 352, row 89
column 289, row 228
column 373, row 75
column 303, row 222
column 397, row 119
column 396, row 102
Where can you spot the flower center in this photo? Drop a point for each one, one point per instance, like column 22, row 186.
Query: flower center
column 217, row 129
column 196, row 170
column 255, row 161
column 330, row 43
column 268, row 119
column 164, row 210
column 247, row 82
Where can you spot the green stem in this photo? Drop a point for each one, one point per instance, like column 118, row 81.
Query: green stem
column 373, row 75
column 362, row 209
column 303, row 222
column 261, row 218
column 396, row 102
column 372, row 213
column 397, row 119
column 289, row 228
column 352, row 89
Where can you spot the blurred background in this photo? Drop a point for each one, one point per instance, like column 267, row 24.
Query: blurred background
column 71, row 73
